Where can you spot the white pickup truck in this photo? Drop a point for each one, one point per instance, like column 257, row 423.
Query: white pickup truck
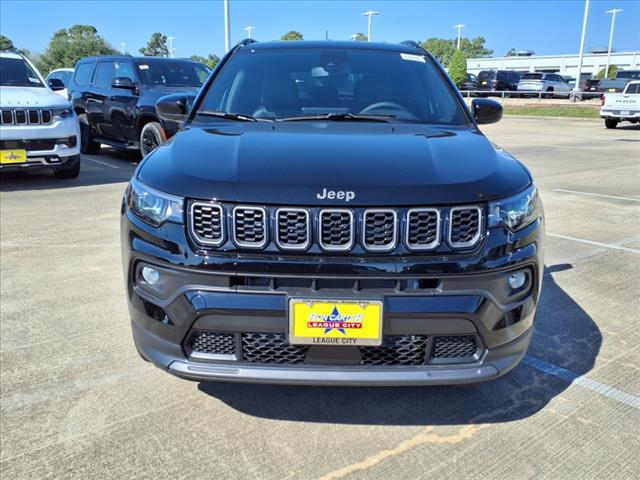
column 620, row 107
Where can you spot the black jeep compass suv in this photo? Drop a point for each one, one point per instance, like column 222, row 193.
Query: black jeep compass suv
column 330, row 213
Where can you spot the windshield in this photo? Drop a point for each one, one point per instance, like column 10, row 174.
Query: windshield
column 15, row 72
column 629, row 74
column 333, row 83
column 172, row 73
column 532, row 76
column 487, row 75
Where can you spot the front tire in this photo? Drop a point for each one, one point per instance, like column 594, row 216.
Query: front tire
column 69, row 170
column 88, row 145
column 610, row 123
column 150, row 137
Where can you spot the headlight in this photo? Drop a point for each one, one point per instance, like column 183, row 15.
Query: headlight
column 152, row 206
column 515, row 212
column 63, row 112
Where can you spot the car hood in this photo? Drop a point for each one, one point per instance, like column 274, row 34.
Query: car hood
column 298, row 162
column 30, row 97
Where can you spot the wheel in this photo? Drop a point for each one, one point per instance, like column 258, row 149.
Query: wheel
column 549, row 93
column 71, row 169
column 610, row 123
column 150, row 137
column 88, row 145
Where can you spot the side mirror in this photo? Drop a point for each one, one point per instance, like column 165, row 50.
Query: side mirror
column 56, row 84
column 174, row 108
column 123, row 82
column 486, row 110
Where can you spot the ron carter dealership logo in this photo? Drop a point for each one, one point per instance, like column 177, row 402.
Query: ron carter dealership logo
column 346, row 195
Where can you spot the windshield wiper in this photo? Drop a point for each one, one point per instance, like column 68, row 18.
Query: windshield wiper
column 350, row 117
column 241, row 117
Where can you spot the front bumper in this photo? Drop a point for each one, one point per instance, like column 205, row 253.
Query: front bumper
column 239, row 294
column 32, row 137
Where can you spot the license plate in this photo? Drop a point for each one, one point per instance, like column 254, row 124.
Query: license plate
column 484, row 82
column 612, row 89
column 13, row 156
column 624, row 112
column 335, row 322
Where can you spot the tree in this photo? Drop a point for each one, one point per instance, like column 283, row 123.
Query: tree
column 210, row 61
column 360, row 37
column 443, row 49
column 292, row 35
column 458, row 67
column 156, row 46
column 6, row 44
column 67, row 46
column 613, row 69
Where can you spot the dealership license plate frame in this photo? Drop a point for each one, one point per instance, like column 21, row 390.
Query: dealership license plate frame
column 369, row 341
column 20, row 156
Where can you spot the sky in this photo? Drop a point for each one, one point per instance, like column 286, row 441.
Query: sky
column 546, row 27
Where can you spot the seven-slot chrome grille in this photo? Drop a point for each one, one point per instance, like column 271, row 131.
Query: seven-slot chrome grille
column 336, row 230
column 25, row 116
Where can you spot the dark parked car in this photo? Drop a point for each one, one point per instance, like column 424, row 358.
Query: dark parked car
column 358, row 230
column 115, row 98
column 498, row 80
column 469, row 82
column 595, row 87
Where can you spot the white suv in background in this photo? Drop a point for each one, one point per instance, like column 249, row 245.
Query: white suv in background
column 552, row 84
column 62, row 74
column 38, row 128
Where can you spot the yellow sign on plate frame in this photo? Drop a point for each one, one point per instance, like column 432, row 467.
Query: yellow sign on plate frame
column 13, row 156
column 332, row 322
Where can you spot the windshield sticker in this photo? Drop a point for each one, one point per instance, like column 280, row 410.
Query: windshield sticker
column 412, row 58
column 143, row 67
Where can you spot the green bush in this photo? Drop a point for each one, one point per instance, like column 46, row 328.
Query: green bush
column 458, row 67
column 613, row 69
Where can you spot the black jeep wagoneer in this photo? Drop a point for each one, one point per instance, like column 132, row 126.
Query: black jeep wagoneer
column 330, row 213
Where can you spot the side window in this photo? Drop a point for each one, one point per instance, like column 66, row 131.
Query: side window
column 104, row 75
column 84, row 73
column 54, row 75
column 65, row 77
column 124, row 69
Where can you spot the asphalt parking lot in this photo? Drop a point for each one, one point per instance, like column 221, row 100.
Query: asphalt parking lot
column 77, row 402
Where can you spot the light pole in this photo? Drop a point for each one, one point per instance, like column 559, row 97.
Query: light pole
column 172, row 52
column 370, row 13
column 227, row 26
column 459, row 26
column 584, row 33
column 613, row 13
column 249, row 29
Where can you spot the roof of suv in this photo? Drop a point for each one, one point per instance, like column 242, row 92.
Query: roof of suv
column 392, row 47
column 7, row 54
column 129, row 57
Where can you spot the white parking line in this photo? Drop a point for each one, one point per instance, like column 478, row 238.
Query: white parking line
column 101, row 163
column 591, row 242
column 593, row 385
column 629, row 199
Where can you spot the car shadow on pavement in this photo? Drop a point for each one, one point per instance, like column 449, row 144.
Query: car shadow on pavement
column 112, row 166
column 565, row 335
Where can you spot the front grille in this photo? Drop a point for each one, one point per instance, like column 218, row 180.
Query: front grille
column 19, row 116
column 274, row 348
column 464, row 228
column 397, row 350
column 250, row 227
column 454, row 346
column 423, row 228
column 207, row 223
column 213, row 343
column 338, row 230
column 29, row 145
column 293, row 229
column 380, row 230
column 271, row 348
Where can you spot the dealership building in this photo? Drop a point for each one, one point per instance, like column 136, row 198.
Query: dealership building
column 592, row 63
